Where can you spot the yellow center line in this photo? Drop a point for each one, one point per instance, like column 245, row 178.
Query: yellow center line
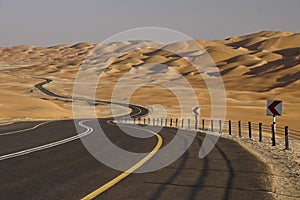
column 122, row 176
column 23, row 130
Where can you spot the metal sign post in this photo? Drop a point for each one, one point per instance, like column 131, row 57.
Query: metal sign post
column 274, row 122
column 196, row 113
column 274, row 108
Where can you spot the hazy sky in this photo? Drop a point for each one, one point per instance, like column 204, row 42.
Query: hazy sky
column 45, row 23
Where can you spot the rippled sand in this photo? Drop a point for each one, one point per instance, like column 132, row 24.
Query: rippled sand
column 254, row 68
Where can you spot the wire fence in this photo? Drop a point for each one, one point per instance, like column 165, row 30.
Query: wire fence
column 239, row 128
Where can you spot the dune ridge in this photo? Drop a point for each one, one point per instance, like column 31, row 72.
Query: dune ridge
column 254, row 67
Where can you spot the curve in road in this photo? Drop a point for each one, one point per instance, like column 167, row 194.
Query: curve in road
column 68, row 171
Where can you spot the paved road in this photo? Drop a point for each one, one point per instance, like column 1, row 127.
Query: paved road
column 136, row 110
column 68, row 171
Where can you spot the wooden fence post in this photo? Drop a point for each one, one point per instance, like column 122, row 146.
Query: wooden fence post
column 240, row 128
column 250, row 130
column 286, row 136
column 229, row 127
column 260, row 131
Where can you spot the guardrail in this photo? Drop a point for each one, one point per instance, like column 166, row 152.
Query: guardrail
column 238, row 127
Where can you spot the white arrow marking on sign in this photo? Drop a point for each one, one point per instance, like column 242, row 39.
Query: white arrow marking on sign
column 196, row 110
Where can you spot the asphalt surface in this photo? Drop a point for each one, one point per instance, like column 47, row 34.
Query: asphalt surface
column 136, row 110
column 69, row 171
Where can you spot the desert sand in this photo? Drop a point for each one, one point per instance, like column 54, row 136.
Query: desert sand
column 254, row 68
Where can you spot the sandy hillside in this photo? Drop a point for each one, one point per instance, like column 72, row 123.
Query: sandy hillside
column 254, row 68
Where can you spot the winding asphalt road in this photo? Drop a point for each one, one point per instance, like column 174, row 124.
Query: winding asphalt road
column 69, row 171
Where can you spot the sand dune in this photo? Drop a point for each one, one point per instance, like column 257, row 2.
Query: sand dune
column 254, row 68
column 19, row 106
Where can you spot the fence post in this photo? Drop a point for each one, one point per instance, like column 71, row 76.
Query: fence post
column 260, row 132
column 273, row 136
column 149, row 120
column 203, row 121
column 176, row 122
column 189, row 123
column 134, row 120
column 240, row 128
column 166, row 122
column 220, row 126
column 250, row 131
column 182, row 123
column 171, row 122
column 144, row 121
column 196, row 123
column 286, row 136
column 229, row 127
column 212, row 125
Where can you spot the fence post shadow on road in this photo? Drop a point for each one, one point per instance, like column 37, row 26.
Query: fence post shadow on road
column 222, row 127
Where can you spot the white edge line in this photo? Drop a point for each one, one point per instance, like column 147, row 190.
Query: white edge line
column 50, row 145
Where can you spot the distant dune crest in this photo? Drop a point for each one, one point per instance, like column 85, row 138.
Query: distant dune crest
column 254, row 67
